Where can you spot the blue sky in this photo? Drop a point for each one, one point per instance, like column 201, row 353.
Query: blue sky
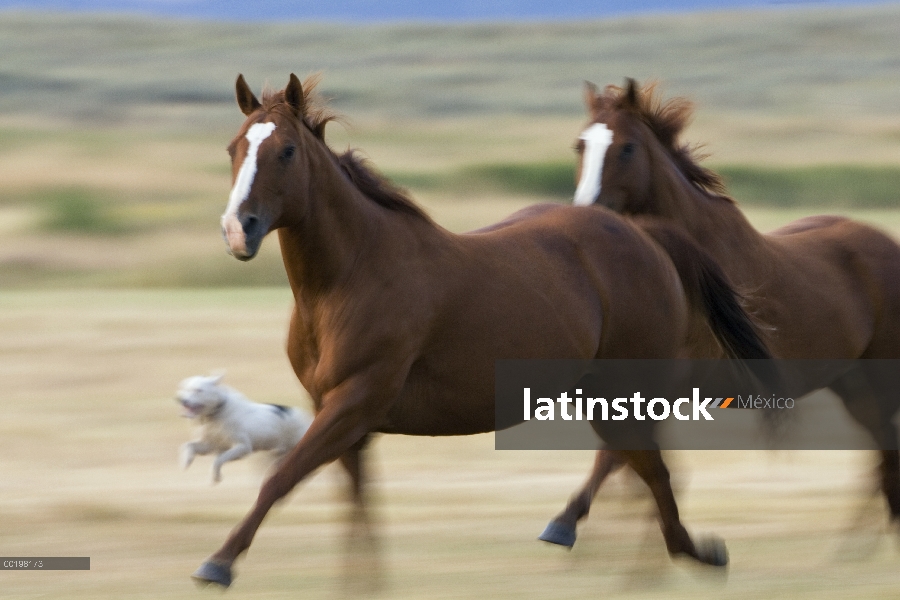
column 387, row 10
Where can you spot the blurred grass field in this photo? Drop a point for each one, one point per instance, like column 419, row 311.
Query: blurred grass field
column 114, row 285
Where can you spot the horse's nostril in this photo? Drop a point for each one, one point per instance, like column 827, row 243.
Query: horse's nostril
column 250, row 224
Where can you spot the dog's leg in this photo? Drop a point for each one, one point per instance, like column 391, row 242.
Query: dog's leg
column 239, row 450
column 191, row 449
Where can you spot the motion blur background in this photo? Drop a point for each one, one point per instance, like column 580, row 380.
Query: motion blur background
column 114, row 283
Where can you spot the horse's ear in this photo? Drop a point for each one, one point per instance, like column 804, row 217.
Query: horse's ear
column 293, row 95
column 245, row 98
column 590, row 96
column 631, row 93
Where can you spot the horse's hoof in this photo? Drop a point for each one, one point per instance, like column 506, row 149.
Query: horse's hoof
column 212, row 573
column 712, row 551
column 558, row 533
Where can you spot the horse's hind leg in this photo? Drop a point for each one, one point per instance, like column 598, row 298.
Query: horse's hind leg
column 649, row 465
column 890, row 481
column 362, row 564
column 352, row 461
column 562, row 529
column 868, row 399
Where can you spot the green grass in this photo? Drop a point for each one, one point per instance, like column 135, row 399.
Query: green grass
column 825, row 186
column 542, row 179
column 78, row 210
column 554, row 179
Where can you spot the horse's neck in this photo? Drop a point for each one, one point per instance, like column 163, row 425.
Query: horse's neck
column 322, row 246
column 716, row 223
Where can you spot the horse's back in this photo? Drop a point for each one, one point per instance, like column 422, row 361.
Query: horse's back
column 853, row 268
column 849, row 244
column 582, row 279
column 601, row 256
column 806, row 224
column 529, row 212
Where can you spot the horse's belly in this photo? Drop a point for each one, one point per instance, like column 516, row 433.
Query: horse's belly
column 435, row 406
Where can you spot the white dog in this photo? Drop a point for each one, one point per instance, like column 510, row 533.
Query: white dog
column 231, row 426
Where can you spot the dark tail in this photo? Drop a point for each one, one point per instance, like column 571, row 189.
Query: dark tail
column 708, row 290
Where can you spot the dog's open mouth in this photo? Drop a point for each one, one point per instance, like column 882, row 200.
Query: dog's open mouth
column 191, row 409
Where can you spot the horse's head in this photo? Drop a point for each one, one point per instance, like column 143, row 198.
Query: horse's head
column 631, row 145
column 266, row 166
column 614, row 154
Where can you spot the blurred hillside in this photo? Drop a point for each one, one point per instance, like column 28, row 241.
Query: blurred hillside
column 112, row 129
column 814, row 62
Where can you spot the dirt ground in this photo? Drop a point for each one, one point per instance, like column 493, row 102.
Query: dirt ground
column 89, row 434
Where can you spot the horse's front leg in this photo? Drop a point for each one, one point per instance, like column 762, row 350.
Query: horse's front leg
column 649, row 465
column 349, row 412
column 562, row 529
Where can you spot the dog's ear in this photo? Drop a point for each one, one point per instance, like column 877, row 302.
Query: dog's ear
column 216, row 376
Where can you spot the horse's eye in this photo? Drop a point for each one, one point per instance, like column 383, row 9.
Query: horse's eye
column 627, row 150
column 579, row 146
column 287, row 153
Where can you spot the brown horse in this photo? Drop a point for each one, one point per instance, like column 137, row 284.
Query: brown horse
column 824, row 286
column 397, row 322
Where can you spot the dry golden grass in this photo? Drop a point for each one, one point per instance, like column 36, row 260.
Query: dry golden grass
column 89, row 435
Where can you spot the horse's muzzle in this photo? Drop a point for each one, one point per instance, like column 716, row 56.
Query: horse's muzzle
column 242, row 235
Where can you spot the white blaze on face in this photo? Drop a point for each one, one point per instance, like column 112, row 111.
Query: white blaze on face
column 597, row 139
column 256, row 135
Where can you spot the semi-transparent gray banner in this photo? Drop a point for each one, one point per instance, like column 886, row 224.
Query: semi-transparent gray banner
column 697, row 404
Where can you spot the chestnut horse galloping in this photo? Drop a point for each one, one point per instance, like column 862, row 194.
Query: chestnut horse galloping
column 397, row 322
column 824, row 287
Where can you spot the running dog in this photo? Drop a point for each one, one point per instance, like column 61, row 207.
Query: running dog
column 231, row 426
